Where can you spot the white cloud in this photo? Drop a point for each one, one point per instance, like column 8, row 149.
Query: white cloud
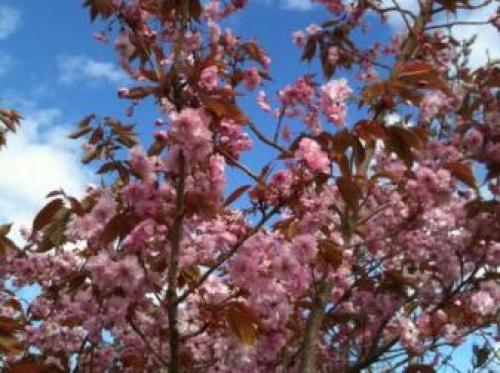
column 290, row 4
column 486, row 43
column 296, row 4
column 9, row 21
column 38, row 159
column 77, row 69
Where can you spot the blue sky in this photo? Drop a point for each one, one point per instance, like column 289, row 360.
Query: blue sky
column 54, row 72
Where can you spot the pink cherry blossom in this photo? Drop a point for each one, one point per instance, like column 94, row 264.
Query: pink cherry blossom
column 333, row 100
column 315, row 158
column 209, row 78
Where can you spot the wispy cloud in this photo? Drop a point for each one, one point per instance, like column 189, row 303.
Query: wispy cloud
column 38, row 158
column 78, row 69
column 486, row 44
column 487, row 41
column 10, row 19
column 296, row 4
column 290, row 4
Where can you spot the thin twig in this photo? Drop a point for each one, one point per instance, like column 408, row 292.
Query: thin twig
column 139, row 332
column 223, row 258
column 264, row 139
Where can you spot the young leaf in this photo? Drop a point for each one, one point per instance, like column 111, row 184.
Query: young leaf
column 118, row 226
column 463, row 173
column 350, row 191
column 236, row 194
column 243, row 323
column 46, row 214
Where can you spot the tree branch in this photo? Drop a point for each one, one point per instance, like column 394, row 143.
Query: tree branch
column 314, row 321
column 173, row 270
column 223, row 258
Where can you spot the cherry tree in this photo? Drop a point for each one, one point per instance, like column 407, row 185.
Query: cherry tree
column 368, row 245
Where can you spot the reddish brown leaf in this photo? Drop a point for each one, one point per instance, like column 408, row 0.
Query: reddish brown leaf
column 46, row 214
column 242, row 322
column 10, row 119
column 350, row 191
column 54, row 193
column 450, row 5
column 76, row 206
column 418, row 74
column 107, row 167
column 224, row 108
column 420, row 368
column 9, row 345
column 255, row 52
column 157, row 147
column 117, row 227
column 80, row 132
column 6, row 246
column 331, row 252
column 85, row 121
column 99, row 8
column 136, row 93
column 462, row 172
column 29, row 367
column 236, row 194
column 9, row 325
column 309, row 49
column 195, row 9
column 402, row 141
column 96, row 136
column 5, row 229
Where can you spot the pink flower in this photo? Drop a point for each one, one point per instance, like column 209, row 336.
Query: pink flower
column 123, row 92
column 124, row 46
column 209, row 78
column 135, row 193
column 333, row 55
column 251, row 78
column 439, row 181
column 262, row 102
column 493, row 254
column 483, row 303
column 128, row 273
column 432, row 104
column 332, row 100
column 313, row 29
column 493, row 152
column 305, row 246
column 299, row 38
column 315, row 158
column 334, row 6
column 410, row 336
column 101, row 37
column 104, row 210
column 234, row 140
column 216, row 166
column 473, row 139
column 191, row 133
column 142, row 164
column 301, row 92
column 212, row 10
